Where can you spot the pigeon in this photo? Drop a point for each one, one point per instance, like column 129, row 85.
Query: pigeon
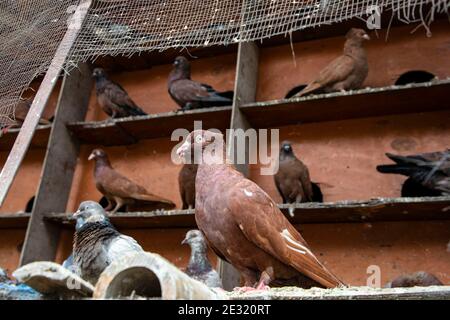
column 189, row 94
column 347, row 72
column 119, row 189
column 244, row 226
column 20, row 113
column 96, row 242
column 292, row 179
column 4, row 276
column 186, row 182
column 199, row 266
column 112, row 98
column 430, row 170
column 418, row 279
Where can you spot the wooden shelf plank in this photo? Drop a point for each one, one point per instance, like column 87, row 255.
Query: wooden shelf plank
column 351, row 293
column 413, row 98
column 40, row 138
column 14, row 220
column 364, row 103
column 132, row 129
column 380, row 209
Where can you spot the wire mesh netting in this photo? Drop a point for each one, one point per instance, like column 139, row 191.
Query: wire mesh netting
column 32, row 30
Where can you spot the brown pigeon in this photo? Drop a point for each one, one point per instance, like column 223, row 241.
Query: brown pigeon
column 430, row 170
column 418, row 279
column 347, row 72
column 186, row 183
column 119, row 189
column 292, row 179
column 20, row 113
column 112, row 98
column 189, row 94
column 244, row 226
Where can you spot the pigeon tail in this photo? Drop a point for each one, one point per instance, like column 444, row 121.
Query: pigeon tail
column 309, row 89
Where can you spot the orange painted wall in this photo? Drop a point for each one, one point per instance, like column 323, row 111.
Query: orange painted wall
column 341, row 156
column 387, row 60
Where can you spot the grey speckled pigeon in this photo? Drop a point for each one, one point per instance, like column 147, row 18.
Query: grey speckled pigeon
column 96, row 242
column 199, row 266
column 418, row 279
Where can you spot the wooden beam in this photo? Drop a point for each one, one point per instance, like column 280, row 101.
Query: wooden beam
column 244, row 92
column 25, row 135
column 59, row 165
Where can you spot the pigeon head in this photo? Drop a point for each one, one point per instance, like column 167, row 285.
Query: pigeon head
column 98, row 154
column 195, row 239
column 99, row 73
column 286, row 147
column 198, row 141
column 182, row 65
column 89, row 212
column 357, row 34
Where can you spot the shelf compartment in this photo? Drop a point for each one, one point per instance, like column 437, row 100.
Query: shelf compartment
column 374, row 210
column 14, row 220
column 364, row 103
column 129, row 130
column 40, row 138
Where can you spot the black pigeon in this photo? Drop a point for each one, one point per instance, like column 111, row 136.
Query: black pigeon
column 189, row 94
column 430, row 170
column 112, row 98
column 199, row 266
column 96, row 242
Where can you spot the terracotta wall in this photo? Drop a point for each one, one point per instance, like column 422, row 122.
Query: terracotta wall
column 341, row 156
column 387, row 60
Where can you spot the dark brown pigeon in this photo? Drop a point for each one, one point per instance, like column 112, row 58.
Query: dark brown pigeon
column 112, row 98
column 418, row 279
column 244, row 226
column 189, row 94
column 119, row 189
column 199, row 266
column 292, row 179
column 96, row 242
column 20, row 113
column 430, row 170
column 186, row 183
column 347, row 72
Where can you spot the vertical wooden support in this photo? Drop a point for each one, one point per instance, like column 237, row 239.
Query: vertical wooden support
column 59, row 165
column 244, row 92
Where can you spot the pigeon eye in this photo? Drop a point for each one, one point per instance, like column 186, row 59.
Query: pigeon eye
column 198, row 139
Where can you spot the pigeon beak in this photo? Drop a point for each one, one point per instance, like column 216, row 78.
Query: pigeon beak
column 181, row 151
column 77, row 214
column 366, row 37
column 91, row 156
column 184, row 241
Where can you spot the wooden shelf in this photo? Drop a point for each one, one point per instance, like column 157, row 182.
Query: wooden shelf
column 40, row 138
column 382, row 209
column 370, row 102
column 350, row 293
column 14, row 220
column 132, row 129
